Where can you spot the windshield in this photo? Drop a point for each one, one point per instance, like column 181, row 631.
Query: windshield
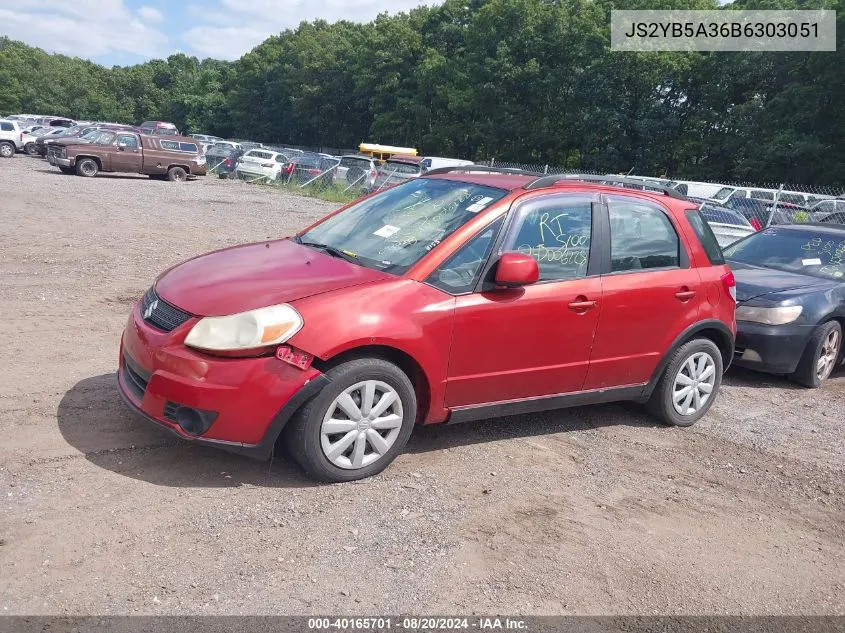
column 393, row 230
column 721, row 215
column 797, row 251
column 723, row 193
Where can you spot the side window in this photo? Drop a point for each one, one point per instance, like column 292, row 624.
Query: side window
column 707, row 238
column 557, row 233
column 825, row 206
column 458, row 274
column 641, row 236
column 763, row 195
column 7, row 127
column 127, row 141
column 739, row 193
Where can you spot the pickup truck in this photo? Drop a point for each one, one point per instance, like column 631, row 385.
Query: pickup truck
column 175, row 158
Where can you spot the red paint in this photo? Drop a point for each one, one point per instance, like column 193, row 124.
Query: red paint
column 532, row 340
column 515, row 270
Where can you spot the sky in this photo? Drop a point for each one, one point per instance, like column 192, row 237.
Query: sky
column 123, row 32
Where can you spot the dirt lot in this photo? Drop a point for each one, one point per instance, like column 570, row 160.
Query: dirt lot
column 588, row 511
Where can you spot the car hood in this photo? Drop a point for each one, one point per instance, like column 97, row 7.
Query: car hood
column 256, row 275
column 755, row 281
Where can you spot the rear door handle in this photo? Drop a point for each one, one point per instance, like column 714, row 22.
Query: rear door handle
column 685, row 295
column 582, row 305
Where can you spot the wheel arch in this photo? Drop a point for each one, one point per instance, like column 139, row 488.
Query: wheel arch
column 407, row 363
column 711, row 329
column 185, row 167
column 96, row 159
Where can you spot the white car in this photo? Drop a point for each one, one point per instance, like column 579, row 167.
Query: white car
column 436, row 162
column 356, row 170
column 258, row 163
column 11, row 138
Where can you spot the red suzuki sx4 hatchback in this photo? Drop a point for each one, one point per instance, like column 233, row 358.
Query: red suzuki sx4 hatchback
column 462, row 295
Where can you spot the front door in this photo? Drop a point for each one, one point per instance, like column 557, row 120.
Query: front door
column 534, row 341
column 650, row 294
column 128, row 157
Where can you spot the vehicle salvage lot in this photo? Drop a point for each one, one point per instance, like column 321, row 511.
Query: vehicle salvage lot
column 593, row 511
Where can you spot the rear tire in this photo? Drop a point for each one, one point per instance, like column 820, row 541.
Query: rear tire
column 825, row 343
column 309, row 442
column 688, row 386
column 7, row 150
column 87, row 167
column 177, row 174
column 31, row 149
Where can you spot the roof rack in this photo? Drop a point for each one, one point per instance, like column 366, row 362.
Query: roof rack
column 543, row 181
column 548, row 181
column 483, row 169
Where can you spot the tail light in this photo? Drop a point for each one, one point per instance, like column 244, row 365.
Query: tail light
column 729, row 282
column 756, row 224
column 228, row 162
column 314, row 172
column 289, row 169
column 373, row 173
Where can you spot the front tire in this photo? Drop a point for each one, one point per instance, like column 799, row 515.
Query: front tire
column 31, row 149
column 821, row 356
column 87, row 167
column 688, row 386
column 357, row 425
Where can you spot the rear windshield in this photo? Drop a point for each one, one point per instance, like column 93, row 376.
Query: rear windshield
column 723, row 193
column 351, row 161
column 809, row 252
column 722, row 216
column 400, row 168
column 705, row 235
column 257, row 154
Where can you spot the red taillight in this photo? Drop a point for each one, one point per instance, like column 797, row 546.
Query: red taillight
column 314, row 172
column 228, row 162
column 756, row 224
column 372, row 173
column 289, row 169
column 729, row 282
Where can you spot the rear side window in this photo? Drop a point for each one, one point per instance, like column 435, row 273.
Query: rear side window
column 7, row 127
column 705, row 235
column 641, row 237
column 762, row 195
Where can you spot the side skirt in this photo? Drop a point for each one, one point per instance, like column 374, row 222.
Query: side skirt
column 546, row 403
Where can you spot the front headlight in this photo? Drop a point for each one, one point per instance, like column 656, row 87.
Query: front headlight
column 769, row 316
column 247, row 330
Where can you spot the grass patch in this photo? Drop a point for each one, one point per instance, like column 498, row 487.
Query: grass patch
column 330, row 193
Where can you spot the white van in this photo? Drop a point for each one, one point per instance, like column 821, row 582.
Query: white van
column 435, row 162
column 793, row 197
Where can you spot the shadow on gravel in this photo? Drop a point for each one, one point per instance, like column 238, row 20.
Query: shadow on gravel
column 741, row 377
column 94, row 420
column 442, row 436
column 54, row 171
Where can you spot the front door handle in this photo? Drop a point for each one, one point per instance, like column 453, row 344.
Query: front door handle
column 582, row 304
column 685, row 294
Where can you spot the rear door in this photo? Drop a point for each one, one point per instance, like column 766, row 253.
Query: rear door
column 650, row 293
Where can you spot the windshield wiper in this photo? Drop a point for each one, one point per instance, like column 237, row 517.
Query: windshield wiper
column 330, row 250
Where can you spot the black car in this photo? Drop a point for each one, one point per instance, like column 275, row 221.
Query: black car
column 222, row 159
column 790, row 300
column 308, row 168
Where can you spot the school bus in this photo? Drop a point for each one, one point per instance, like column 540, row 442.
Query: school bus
column 383, row 152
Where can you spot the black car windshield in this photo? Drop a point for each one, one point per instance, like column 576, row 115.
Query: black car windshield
column 809, row 252
column 394, row 229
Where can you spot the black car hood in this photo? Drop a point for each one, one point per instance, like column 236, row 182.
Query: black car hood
column 755, row 281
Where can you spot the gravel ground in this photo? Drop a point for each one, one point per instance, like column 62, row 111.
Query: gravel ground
column 586, row 511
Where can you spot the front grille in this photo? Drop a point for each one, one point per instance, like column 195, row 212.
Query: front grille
column 136, row 377
column 160, row 314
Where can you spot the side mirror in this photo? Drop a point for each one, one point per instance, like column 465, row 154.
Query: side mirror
column 515, row 270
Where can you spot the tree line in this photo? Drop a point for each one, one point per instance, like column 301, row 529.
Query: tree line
column 531, row 81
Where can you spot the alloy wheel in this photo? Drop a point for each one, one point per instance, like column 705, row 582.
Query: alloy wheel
column 829, row 354
column 361, row 425
column 694, row 383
